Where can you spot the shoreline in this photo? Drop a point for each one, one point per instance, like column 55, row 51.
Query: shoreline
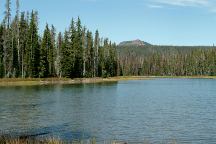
column 51, row 81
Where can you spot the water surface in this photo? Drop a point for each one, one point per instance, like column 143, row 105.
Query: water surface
column 158, row 110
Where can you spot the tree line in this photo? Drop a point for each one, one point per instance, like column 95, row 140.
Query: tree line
column 76, row 53
column 167, row 60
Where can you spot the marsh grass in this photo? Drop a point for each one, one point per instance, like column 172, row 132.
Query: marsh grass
column 52, row 140
column 48, row 81
column 45, row 81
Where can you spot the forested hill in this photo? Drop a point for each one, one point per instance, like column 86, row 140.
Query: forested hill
column 167, row 60
column 144, row 48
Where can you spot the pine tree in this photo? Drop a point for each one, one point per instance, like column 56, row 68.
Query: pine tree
column 78, row 47
column 23, row 30
column 84, row 45
column 106, row 47
column 59, row 54
column 90, row 55
column 96, row 49
column 17, row 8
column 15, row 63
column 67, row 55
column 101, row 59
column 33, row 51
column 17, row 23
column 7, row 40
column 113, row 65
column 1, row 52
column 72, row 49
column 46, row 46
column 52, row 52
column 8, row 13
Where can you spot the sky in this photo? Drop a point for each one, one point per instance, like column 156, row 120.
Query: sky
column 159, row 22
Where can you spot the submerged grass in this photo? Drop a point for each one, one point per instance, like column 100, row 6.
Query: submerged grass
column 57, row 141
column 29, row 141
column 9, row 140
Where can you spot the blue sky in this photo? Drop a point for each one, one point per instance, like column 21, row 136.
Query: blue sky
column 162, row 22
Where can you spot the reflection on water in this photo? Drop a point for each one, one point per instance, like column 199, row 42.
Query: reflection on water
column 155, row 110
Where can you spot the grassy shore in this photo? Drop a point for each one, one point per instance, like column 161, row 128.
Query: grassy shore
column 46, row 81
column 4, row 140
column 87, row 141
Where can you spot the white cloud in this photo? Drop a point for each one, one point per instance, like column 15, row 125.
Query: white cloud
column 155, row 6
column 90, row 0
column 213, row 10
column 184, row 2
column 209, row 5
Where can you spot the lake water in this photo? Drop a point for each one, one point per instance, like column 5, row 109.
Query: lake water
column 161, row 110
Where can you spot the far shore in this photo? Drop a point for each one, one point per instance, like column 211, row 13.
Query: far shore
column 48, row 81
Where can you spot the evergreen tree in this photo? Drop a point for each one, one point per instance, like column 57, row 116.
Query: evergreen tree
column 113, row 65
column 17, row 8
column 106, row 70
column 84, row 45
column 45, row 58
column 23, row 55
column 15, row 65
column 17, row 34
column 72, row 50
column 90, row 55
column 7, row 40
column 101, row 60
column 67, row 57
column 1, row 52
column 96, row 51
column 14, row 40
column 7, row 52
column 59, row 55
column 78, row 51
column 52, row 52
column 8, row 13
column 33, row 60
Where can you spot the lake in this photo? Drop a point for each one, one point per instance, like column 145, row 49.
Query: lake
column 160, row 110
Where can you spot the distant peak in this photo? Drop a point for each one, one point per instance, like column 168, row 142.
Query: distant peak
column 136, row 42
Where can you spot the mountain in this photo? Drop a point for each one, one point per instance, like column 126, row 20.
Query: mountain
column 134, row 43
column 141, row 48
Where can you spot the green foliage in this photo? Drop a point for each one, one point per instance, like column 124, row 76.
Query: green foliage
column 78, row 51
column 96, row 52
column 23, row 32
column 1, row 52
column 15, row 62
column 67, row 55
column 7, row 36
column 23, row 53
column 167, row 60
column 58, row 55
column 52, row 52
column 45, row 54
column 90, row 55
column 33, row 48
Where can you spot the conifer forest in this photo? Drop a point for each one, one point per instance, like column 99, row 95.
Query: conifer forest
column 77, row 52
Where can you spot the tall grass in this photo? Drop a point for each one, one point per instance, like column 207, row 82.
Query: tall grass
column 10, row 140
